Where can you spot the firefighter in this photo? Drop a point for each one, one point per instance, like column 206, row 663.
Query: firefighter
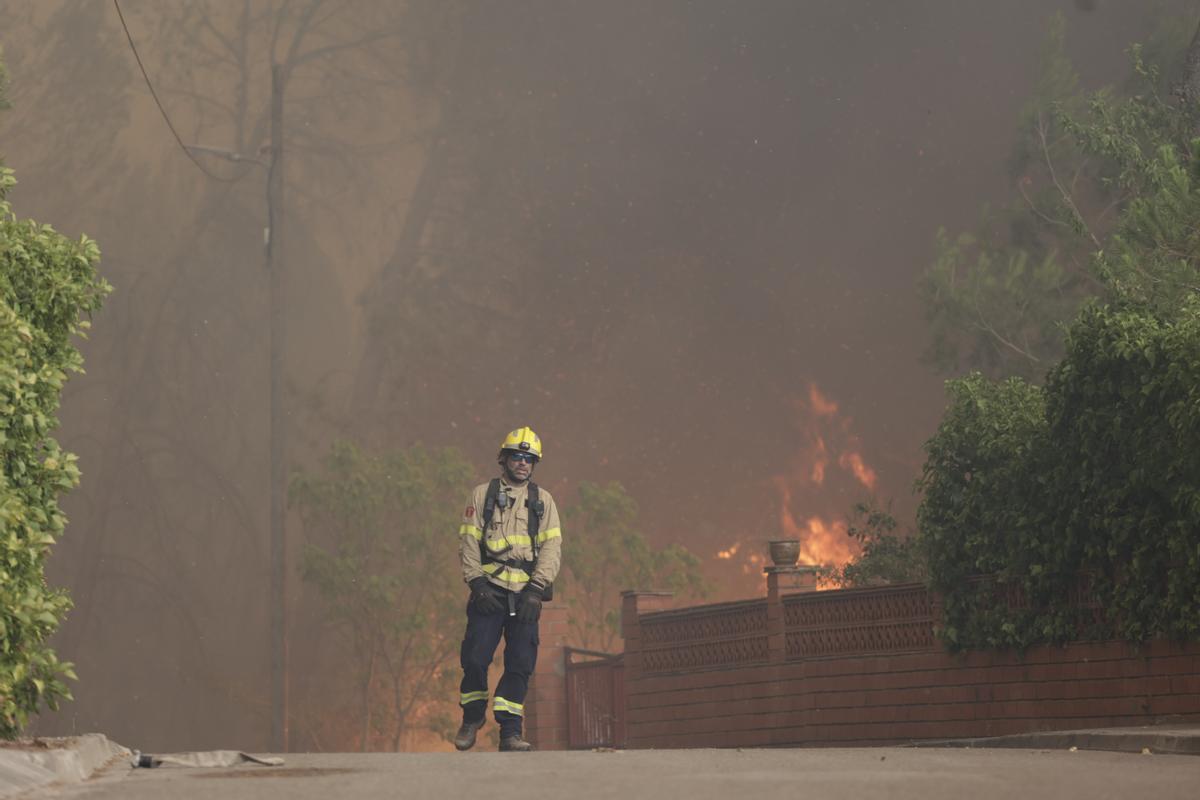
column 510, row 545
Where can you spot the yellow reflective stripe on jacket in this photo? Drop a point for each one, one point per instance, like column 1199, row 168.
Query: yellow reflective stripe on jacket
column 500, row 704
column 470, row 697
column 470, row 530
column 548, row 534
column 506, row 574
column 496, row 545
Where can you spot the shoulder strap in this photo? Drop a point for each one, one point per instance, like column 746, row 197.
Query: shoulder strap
column 489, row 503
column 489, row 509
column 536, row 509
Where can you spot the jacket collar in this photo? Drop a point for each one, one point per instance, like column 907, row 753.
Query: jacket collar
column 513, row 487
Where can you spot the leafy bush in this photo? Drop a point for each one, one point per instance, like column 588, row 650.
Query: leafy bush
column 1080, row 499
column 1087, row 490
column 1123, row 410
column 884, row 557
column 47, row 284
column 983, row 510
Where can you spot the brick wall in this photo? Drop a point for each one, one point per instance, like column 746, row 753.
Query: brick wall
column 861, row 667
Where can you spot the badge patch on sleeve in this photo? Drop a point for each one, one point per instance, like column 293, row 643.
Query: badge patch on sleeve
column 470, row 512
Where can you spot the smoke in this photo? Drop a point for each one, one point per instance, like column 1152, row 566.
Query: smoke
column 679, row 239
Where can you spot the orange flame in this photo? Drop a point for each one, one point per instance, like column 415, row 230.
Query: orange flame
column 820, row 458
column 854, row 463
column 816, row 517
column 827, row 542
column 826, row 474
column 820, row 404
column 821, row 543
column 725, row 555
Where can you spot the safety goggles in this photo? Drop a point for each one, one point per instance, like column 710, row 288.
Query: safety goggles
column 528, row 458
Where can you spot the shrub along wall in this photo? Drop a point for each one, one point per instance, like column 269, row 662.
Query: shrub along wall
column 1090, row 484
column 1123, row 411
column 47, row 285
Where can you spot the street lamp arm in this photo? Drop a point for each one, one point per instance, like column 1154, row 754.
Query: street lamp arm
column 221, row 152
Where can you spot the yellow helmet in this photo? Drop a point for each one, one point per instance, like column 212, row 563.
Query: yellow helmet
column 523, row 440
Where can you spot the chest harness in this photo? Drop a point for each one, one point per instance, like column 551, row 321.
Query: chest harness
column 537, row 510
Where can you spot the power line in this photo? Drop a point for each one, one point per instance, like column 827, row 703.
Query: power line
column 162, row 110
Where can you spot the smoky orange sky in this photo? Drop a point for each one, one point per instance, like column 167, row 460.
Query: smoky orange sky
column 679, row 239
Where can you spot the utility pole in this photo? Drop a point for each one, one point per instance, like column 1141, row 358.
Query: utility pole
column 277, row 447
column 276, row 273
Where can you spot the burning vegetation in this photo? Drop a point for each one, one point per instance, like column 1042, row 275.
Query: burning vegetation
column 826, row 475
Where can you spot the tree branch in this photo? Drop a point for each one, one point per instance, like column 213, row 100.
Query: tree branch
column 333, row 48
column 1066, row 196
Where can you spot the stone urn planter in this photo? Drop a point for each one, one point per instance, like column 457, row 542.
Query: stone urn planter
column 784, row 552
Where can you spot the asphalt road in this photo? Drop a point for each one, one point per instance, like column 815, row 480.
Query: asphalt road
column 927, row 774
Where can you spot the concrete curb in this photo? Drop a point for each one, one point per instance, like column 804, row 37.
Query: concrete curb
column 1178, row 740
column 64, row 761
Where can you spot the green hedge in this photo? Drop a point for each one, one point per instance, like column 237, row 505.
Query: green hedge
column 1123, row 409
column 1089, row 487
column 983, row 508
column 48, row 284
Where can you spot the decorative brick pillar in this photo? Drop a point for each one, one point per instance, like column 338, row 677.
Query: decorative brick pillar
column 776, row 637
column 779, row 579
column 546, row 701
column 634, row 603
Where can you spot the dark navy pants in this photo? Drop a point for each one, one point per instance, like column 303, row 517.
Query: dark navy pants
column 520, row 655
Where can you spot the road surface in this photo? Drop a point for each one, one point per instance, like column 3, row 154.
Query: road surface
column 825, row 774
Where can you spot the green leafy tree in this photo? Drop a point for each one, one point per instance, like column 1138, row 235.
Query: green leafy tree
column 999, row 300
column 1153, row 255
column 383, row 559
column 884, row 557
column 994, row 298
column 48, row 289
column 605, row 553
column 1050, row 514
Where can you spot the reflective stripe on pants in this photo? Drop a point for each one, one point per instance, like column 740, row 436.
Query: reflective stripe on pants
column 520, row 656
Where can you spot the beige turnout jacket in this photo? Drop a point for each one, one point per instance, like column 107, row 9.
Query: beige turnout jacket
column 510, row 529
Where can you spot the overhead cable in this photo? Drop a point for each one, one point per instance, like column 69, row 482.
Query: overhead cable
column 186, row 151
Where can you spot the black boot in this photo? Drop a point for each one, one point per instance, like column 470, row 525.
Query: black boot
column 514, row 744
column 465, row 738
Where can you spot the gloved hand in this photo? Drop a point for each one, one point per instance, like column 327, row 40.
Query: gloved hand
column 529, row 604
column 486, row 597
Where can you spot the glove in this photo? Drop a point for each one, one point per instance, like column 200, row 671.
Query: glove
column 529, row 605
column 485, row 596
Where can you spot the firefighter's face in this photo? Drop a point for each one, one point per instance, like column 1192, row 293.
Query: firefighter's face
column 519, row 465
